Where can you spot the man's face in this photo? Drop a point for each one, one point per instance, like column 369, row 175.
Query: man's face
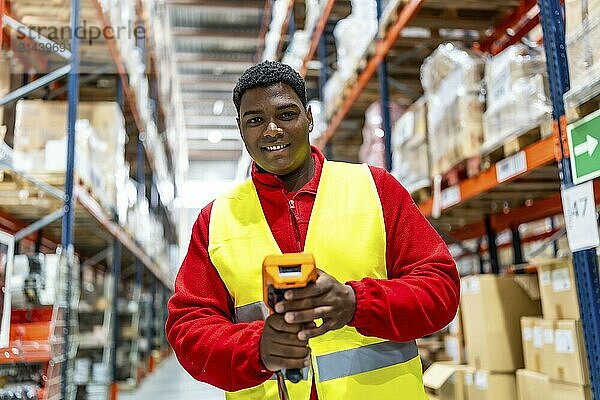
column 275, row 126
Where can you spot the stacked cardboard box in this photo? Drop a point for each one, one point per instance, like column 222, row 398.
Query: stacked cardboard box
column 582, row 36
column 452, row 81
column 454, row 343
column 491, row 309
column 553, row 346
column 100, row 148
column 410, row 154
column 517, row 94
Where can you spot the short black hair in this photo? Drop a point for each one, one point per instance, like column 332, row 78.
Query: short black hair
column 265, row 74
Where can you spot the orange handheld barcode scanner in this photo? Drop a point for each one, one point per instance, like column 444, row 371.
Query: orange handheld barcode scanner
column 282, row 272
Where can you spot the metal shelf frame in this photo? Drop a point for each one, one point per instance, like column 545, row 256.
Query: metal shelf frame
column 585, row 262
column 74, row 193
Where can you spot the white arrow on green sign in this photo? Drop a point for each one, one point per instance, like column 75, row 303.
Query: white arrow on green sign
column 584, row 146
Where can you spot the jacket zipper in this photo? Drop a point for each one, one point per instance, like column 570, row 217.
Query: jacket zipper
column 295, row 224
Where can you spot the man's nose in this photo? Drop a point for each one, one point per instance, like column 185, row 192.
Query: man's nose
column 273, row 130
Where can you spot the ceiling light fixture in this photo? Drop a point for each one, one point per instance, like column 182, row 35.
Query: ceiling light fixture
column 218, row 107
column 215, row 136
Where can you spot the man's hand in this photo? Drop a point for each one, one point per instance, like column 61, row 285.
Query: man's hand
column 327, row 299
column 280, row 347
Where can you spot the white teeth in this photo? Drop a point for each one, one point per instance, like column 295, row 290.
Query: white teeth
column 275, row 148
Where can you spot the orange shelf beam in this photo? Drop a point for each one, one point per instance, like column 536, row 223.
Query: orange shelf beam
column 316, row 36
column 407, row 13
column 118, row 233
column 537, row 155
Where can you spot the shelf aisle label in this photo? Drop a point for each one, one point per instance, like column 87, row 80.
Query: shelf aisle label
column 511, row 167
column 450, row 196
column 580, row 216
column 584, row 146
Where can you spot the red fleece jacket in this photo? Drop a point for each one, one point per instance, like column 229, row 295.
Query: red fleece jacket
column 419, row 297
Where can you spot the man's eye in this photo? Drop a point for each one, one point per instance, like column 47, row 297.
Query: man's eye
column 287, row 115
column 254, row 120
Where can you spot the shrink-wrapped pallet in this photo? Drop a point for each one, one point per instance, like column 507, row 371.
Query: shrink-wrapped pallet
column 452, row 81
column 100, row 143
column 517, row 94
column 582, row 37
column 410, row 154
column 372, row 150
column 354, row 34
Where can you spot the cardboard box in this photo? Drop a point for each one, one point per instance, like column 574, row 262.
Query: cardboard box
column 558, row 289
column 486, row 385
column 532, row 349
column 564, row 391
column 568, row 362
column 543, row 342
column 492, row 307
column 532, row 385
column 446, row 381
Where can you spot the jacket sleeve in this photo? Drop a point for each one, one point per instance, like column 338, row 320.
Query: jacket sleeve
column 199, row 327
column 422, row 291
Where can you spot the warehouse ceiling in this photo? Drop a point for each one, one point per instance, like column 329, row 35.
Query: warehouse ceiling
column 215, row 42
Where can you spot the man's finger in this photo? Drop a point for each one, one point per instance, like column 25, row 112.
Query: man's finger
column 284, row 351
column 302, row 304
column 277, row 323
column 288, row 339
column 306, row 334
column 300, row 317
column 322, row 285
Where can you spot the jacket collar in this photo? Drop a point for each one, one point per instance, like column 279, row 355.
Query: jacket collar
column 266, row 181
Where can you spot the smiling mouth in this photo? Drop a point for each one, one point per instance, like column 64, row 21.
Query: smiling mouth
column 276, row 147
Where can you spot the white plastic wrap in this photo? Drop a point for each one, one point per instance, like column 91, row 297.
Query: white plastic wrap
column 297, row 50
column 583, row 55
column 372, row 151
column 354, row 34
column 410, row 155
column 517, row 94
column 452, row 80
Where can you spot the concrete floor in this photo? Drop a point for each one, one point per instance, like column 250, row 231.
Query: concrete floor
column 171, row 381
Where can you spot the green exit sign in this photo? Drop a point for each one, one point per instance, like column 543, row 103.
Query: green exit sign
column 584, row 146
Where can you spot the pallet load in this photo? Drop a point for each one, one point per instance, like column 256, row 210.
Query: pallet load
column 452, row 81
column 40, row 149
column 372, row 150
column 553, row 345
column 410, row 154
column 518, row 102
column 582, row 37
column 353, row 35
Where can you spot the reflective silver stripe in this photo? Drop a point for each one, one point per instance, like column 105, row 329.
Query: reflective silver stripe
column 251, row 312
column 363, row 359
column 304, row 375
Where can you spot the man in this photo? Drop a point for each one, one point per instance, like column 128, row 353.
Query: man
column 386, row 278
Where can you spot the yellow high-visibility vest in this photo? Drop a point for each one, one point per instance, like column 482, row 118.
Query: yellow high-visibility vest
column 346, row 235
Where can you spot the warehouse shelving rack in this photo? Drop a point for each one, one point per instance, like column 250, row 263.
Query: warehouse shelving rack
column 77, row 207
column 520, row 188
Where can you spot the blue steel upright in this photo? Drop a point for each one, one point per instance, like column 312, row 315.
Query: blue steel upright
column 69, row 215
column 384, row 94
column 585, row 262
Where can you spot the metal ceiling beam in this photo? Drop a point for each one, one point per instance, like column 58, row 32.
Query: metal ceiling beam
column 181, row 31
column 253, row 4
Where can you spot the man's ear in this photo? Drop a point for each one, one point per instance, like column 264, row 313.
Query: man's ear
column 310, row 118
